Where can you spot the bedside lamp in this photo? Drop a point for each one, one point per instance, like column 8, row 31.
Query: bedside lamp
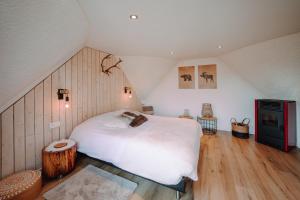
column 128, row 90
column 61, row 93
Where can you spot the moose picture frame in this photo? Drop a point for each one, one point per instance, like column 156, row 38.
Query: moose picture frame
column 186, row 77
column 207, row 76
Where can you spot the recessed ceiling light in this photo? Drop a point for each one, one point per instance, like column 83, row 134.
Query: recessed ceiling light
column 133, row 17
column 172, row 52
column 220, row 47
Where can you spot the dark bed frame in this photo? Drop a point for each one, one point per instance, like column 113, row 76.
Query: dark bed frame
column 180, row 187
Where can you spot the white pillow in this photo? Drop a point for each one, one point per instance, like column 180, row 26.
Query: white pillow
column 117, row 122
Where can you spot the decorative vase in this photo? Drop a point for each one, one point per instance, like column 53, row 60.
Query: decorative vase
column 207, row 110
column 186, row 112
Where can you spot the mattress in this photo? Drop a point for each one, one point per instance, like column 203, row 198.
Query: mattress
column 163, row 149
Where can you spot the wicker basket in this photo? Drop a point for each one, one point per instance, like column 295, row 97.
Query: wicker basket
column 21, row 186
column 240, row 129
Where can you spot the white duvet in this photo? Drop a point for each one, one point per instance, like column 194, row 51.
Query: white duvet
column 162, row 149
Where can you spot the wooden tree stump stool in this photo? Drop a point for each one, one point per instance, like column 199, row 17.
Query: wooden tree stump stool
column 59, row 158
column 22, row 185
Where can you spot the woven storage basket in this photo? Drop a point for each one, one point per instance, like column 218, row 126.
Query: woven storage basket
column 21, row 186
column 240, row 129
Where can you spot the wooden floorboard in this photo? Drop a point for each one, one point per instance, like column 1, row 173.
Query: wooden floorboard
column 229, row 168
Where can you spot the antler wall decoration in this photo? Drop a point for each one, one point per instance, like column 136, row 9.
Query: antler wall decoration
column 107, row 71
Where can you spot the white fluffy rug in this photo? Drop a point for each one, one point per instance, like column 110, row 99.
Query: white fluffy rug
column 92, row 183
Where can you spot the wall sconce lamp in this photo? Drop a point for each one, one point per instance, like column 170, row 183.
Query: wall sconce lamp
column 61, row 93
column 128, row 90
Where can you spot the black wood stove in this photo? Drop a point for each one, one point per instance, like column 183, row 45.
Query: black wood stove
column 275, row 123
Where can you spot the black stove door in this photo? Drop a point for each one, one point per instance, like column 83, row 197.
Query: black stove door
column 271, row 128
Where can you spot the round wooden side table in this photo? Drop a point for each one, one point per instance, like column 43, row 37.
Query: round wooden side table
column 59, row 158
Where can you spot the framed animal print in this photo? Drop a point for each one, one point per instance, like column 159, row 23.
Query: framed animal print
column 207, row 76
column 186, row 77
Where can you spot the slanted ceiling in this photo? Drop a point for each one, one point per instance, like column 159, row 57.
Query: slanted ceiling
column 37, row 36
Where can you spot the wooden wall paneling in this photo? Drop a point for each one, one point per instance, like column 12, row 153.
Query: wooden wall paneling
column 117, row 89
column 111, row 88
column 109, row 81
column 69, row 123
column 62, row 103
column 29, row 130
column 120, row 88
column 98, row 71
column 89, row 86
column 47, row 110
column 7, row 142
column 24, row 127
column 85, row 84
column 125, row 96
column 39, row 123
column 74, row 91
column 122, row 101
column 116, row 85
column 94, row 96
column 55, row 105
column 106, row 86
column 79, row 88
column 101, row 86
column 1, row 145
column 19, row 135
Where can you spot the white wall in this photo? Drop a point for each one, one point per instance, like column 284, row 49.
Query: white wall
column 233, row 98
column 36, row 38
column 273, row 67
column 145, row 73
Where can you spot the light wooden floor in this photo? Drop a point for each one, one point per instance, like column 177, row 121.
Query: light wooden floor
column 229, row 168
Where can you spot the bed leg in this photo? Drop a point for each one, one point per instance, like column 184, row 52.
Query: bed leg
column 177, row 195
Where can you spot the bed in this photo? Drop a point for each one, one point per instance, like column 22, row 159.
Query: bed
column 163, row 149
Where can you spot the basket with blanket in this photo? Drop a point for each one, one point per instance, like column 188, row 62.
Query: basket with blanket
column 240, row 129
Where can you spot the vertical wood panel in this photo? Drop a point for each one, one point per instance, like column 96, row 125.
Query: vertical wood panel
column 19, row 135
column 55, row 104
column 74, row 91
column 69, row 123
column 89, row 78
column 29, row 130
column 1, row 145
column 113, row 88
column 85, row 84
column 47, row 111
column 101, row 90
column 98, row 108
column 39, row 123
column 7, row 142
column 105, row 84
column 79, row 88
column 108, row 87
column 119, row 89
column 93, row 83
column 62, row 103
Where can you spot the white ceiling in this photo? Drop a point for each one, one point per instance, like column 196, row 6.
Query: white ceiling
column 36, row 36
column 190, row 28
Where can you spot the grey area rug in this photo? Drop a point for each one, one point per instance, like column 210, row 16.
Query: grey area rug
column 92, row 183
